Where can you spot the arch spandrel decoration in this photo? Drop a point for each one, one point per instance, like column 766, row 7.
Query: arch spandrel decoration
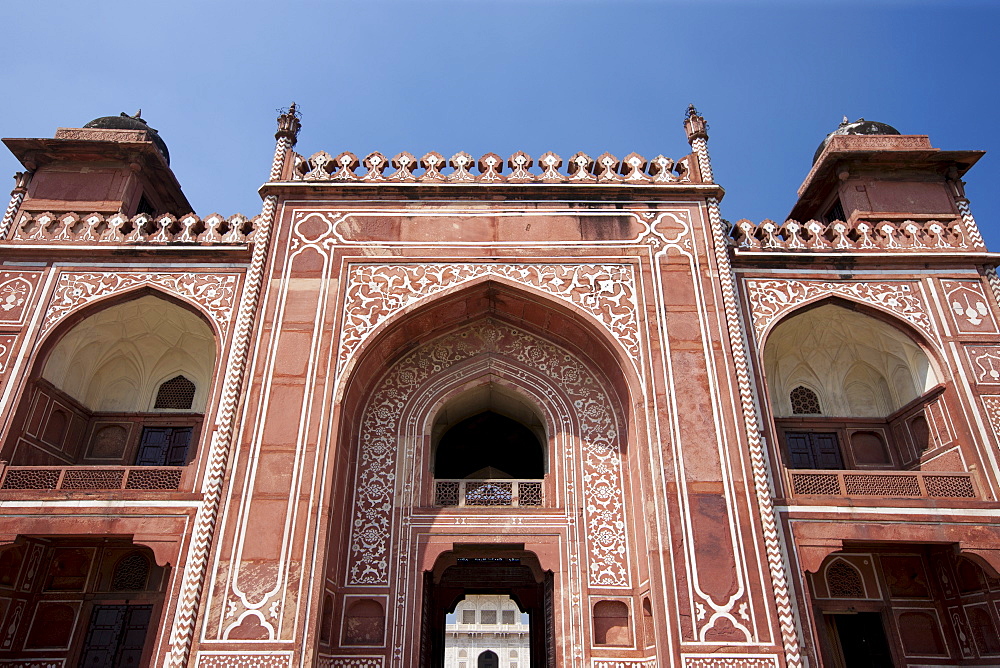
column 598, row 434
column 375, row 291
column 771, row 299
column 215, row 294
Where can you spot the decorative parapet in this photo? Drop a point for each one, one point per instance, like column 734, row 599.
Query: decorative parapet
column 885, row 484
column 433, row 168
column 118, row 229
column 907, row 236
column 90, row 477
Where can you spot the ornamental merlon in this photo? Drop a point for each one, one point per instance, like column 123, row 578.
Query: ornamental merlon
column 492, row 169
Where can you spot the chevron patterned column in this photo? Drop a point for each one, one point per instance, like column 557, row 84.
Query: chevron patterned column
column 21, row 180
column 697, row 131
column 185, row 618
column 970, row 223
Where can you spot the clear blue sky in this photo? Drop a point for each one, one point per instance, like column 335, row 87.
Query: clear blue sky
column 491, row 75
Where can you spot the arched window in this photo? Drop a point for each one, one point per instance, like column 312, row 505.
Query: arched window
column 131, row 573
column 175, row 394
column 844, row 581
column 804, row 401
column 983, row 630
column 970, row 577
column 90, row 399
column 611, row 623
column 364, row 623
column 873, row 379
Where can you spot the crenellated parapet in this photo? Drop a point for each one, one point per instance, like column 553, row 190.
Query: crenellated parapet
column 491, row 168
column 141, row 229
column 897, row 236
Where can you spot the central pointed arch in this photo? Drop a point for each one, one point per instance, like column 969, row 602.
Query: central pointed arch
column 484, row 347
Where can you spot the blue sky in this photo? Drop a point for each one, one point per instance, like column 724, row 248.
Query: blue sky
column 489, row 75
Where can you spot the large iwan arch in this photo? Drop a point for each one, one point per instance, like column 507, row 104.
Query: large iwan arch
column 390, row 520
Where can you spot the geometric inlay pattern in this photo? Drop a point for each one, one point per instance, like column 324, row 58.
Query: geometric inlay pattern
column 244, row 660
column 348, row 661
column 214, row 292
column 992, row 405
column 770, row 299
column 375, row 482
column 730, row 661
column 376, row 290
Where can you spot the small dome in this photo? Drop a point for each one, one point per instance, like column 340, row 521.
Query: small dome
column 125, row 122
column 858, row 127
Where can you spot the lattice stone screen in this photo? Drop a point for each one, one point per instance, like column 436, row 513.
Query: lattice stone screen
column 515, row 493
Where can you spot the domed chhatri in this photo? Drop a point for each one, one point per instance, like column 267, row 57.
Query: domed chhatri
column 858, row 127
column 125, row 122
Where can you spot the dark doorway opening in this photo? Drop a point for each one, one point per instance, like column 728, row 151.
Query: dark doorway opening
column 470, row 570
column 489, row 445
column 488, row 659
column 862, row 640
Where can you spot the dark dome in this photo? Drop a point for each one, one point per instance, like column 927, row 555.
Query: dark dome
column 858, row 127
column 125, row 122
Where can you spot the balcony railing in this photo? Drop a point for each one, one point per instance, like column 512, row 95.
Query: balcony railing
column 885, row 484
column 500, row 492
column 91, row 477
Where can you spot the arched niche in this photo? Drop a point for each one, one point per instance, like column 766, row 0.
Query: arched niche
column 125, row 382
column 858, row 365
column 116, row 359
column 848, row 390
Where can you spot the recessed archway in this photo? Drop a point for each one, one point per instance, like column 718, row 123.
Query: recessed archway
column 126, row 384
column 489, row 431
column 848, row 391
column 857, row 365
column 488, row 349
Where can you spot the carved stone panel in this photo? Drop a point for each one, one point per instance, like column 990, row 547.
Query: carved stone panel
column 770, row 299
column 985, row 364
column 214, row 293
column 970, row 309
column 16, row 291
column 376, row 291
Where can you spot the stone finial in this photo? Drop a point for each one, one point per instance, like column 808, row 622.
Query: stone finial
column 21, row 180
column 695, row 125
column 289, row 123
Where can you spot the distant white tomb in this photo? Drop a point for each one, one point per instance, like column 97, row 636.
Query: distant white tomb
column 487, row 631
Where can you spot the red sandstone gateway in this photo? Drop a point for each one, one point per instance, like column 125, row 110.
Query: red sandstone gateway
column 448, row 411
